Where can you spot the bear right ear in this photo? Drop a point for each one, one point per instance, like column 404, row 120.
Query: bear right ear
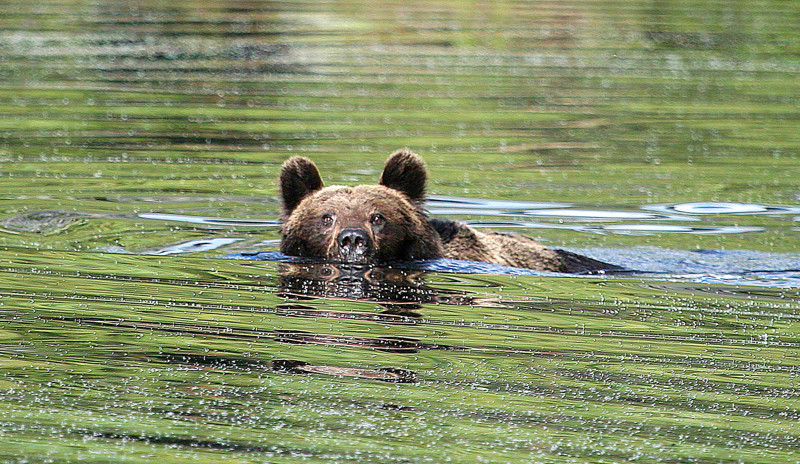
column 405, row 171
column 299, row 177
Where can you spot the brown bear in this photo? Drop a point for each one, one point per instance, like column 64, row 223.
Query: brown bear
column 386, row 223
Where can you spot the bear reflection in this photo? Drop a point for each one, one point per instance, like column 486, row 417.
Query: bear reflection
column 399, row 290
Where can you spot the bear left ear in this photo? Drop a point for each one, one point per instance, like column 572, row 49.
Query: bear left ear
column 405, row 171
column 299, row 177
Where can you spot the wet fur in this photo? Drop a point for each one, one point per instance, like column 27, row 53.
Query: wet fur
column 405, row 233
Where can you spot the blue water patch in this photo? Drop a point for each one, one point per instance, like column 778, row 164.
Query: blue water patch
column 662, row 260
column 719, row 208
column 713, row 207
column 471, row 267
column 732, row 267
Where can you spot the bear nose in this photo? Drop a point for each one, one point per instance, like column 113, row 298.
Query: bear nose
column 353, row 243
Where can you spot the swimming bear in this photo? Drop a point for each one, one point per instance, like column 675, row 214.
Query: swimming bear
column 386, row 223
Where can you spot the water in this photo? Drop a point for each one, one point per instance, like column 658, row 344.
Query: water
column 139, row 147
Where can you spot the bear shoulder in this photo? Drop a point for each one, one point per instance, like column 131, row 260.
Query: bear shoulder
column 460, row 241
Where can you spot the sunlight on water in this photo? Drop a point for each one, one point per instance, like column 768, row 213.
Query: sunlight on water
column 146, row 313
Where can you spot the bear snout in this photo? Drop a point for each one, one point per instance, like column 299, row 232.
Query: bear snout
column 354, row 244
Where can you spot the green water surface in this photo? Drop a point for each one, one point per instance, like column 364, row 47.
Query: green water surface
column 113, row 349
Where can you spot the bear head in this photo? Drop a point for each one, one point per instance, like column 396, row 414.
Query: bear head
column 363, row 224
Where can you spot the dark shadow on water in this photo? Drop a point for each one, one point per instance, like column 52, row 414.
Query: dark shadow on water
column 288, row 366
column 399, row 290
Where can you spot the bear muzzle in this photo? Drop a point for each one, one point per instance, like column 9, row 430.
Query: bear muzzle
column 355, row 246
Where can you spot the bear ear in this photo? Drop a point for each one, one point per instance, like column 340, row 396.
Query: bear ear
column 405, row 171
column 299, row 177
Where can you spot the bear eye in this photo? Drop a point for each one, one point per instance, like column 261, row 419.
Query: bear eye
column 377, row 219
column 327, row 219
